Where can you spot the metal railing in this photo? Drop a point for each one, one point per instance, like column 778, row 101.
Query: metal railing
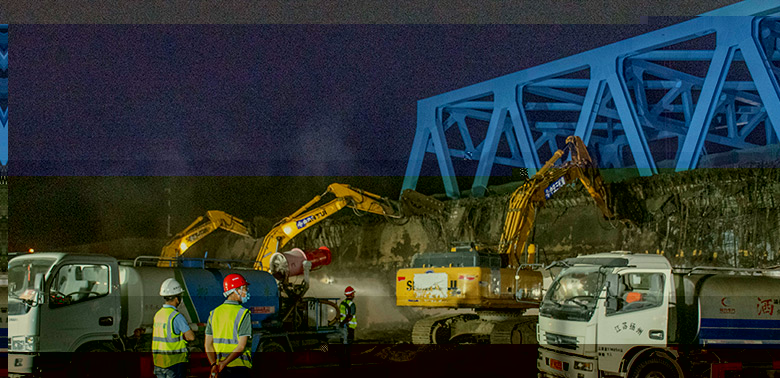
column 191, row 262
column 775, row 270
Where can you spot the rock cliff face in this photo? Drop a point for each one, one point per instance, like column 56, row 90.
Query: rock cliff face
column 721, row 217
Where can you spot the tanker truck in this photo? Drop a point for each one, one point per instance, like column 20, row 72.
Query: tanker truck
column 79, row 304
column 620, row 314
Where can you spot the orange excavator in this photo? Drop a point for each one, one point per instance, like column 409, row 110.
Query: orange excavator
column 499, row 287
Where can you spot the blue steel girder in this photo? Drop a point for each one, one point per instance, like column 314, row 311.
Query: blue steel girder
column 537, row 106
column 744, row 36
column 495, row 131
column 648, row 121
column 3, row 95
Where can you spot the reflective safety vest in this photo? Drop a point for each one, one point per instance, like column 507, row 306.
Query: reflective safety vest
column 168, row 348
column 347, row 307
column 225, row 321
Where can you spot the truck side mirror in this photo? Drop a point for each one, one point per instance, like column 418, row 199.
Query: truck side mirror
column 611, row 304
column 38, row 285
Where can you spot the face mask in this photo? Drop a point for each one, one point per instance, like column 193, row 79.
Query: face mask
column 245, row 299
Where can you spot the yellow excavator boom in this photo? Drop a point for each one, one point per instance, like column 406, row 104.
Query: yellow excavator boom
column 534, row 193
column 197, row 230
column 304, row 217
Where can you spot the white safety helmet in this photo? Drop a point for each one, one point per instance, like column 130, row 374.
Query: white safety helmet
column 170, row 288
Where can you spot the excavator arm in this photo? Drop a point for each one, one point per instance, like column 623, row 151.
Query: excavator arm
column 197, row 230
column 532, row 195
column 305, row 217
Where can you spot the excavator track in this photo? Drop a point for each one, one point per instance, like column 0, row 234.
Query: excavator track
column 424, row 331
column 520, row 330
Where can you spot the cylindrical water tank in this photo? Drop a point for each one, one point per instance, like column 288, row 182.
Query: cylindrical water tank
column 739, row 309
column 205, row 289
column 140, row 288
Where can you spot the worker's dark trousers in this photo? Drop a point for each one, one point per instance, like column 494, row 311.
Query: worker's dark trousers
column 175, row 371
column 346, row 360
column 235, row 372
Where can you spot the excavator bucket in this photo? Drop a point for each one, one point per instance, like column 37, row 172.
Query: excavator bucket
column 416, row 203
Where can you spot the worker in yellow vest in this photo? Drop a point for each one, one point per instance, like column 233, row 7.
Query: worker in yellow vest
column 170, row 335
column 348, row 320
column 228, row 331
column 347, row 311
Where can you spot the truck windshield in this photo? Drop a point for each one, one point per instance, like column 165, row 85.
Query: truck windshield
column 21, row 282
column 574, row 293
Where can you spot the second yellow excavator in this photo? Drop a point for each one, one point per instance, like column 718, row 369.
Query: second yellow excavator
column 497, row 286
column 305, row 217
column 283, row 231
column 199, row 229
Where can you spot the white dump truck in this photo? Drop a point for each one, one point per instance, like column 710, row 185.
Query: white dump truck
column 64, row 308
column 620, row 314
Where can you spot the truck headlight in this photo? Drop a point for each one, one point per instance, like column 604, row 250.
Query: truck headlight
column 586, row 366
column 24, row 343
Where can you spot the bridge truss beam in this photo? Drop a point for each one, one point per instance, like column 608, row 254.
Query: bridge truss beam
column 629, row 101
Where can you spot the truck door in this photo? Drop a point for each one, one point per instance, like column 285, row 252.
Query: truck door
column 82, row 304
column 636, row 314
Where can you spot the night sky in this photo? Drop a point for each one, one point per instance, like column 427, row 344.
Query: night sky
column 158, row 106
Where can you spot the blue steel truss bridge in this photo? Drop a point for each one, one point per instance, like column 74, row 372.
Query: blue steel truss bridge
column 665, row 98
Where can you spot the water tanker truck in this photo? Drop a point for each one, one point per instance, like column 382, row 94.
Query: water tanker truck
column 75, row 303
column 620, row 314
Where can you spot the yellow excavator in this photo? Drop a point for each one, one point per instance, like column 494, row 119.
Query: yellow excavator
column 199, row 229
column 497, row 286
column 303, row 218
column 283, row 231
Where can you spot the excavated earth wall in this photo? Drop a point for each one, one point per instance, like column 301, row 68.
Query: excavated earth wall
column 718, row 217
column 721, row 217
column 714, row 217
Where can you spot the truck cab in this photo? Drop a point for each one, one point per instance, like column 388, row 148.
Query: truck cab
column 601, row 309
column 620, row 314
column 44, row 289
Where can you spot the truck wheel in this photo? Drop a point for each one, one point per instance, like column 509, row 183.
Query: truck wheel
column 270, row 355
column 654, row 368
column 270, row 346
column 94, row 360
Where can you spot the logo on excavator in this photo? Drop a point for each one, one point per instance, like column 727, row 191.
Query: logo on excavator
column 410, row 285
column 550, row 190
column 311, row 218
column 196, row 235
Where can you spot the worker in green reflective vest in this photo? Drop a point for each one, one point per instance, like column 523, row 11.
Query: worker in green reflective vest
column 348, row 320
column 170, row 335
column 229, row 330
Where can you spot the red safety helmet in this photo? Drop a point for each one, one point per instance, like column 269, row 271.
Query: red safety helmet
column 349, row 291
column 233, row 281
